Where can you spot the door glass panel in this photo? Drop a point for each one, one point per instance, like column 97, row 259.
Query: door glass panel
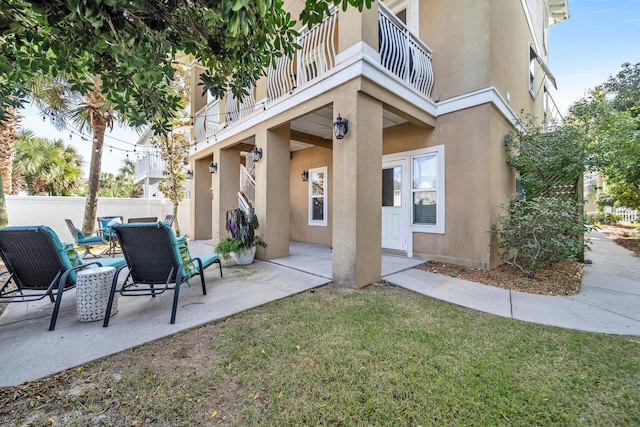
column 392, row 186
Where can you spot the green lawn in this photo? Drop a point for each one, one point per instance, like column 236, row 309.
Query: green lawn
column 377, row 356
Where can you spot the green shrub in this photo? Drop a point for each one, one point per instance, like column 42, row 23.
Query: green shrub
column 539, row 232
column 602, row 218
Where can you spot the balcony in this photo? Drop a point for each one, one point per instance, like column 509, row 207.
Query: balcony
column 401, row 53
column 149, row 169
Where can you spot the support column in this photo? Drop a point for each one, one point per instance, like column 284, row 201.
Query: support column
column 200, row 212
column 357, row 192
column 272, row 191
column 226, row 186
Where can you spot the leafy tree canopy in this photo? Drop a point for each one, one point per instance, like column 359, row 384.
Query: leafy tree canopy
column 132, row 43
column 625, row 88
column 612, row 143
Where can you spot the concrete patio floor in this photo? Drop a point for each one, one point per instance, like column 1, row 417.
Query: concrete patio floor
column 609, row 302
column 32, row 352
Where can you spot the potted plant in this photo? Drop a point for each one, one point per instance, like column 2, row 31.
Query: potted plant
column 226, row 248
column 242, row 240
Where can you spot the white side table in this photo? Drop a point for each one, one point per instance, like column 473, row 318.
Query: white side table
column 92, row 293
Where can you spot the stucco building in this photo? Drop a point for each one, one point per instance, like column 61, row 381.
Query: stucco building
column 429, row 89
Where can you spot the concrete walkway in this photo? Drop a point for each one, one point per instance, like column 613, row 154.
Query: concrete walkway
column 609, row 302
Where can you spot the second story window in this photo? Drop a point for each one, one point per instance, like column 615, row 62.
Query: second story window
column 532, row 71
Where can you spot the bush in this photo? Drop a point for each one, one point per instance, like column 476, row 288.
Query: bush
column 539, row 232
column 602, row 218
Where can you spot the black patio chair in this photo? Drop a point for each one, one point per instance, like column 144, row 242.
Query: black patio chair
column 155, row 257
column 38, row 265
column 169, row 219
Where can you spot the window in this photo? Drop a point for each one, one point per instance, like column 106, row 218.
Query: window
column 392, row 186
column 532, row 71
column 427, row 190
column 318, row 202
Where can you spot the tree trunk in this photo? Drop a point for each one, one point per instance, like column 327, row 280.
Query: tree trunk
column 4, row 217
column 176, row 224
column 98, row 125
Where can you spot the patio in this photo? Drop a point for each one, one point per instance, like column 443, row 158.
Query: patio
column 23, row 327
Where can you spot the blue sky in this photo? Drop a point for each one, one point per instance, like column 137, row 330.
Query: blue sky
column 598, row 37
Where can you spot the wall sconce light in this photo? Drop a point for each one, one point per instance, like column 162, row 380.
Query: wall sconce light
column 213, row 167
column 189, row 174
column 257, row 154
column 305, row 175
column 340, row 127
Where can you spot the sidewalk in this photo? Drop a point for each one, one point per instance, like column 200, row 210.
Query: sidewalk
column 608, row 302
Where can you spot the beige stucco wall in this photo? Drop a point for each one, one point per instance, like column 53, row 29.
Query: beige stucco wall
column 478, row 44
column 477, row 181
column 458, row 33
column 302, row 160
column 509, row 55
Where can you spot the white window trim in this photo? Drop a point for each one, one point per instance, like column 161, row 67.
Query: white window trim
column 439, row 227
column 325, row 211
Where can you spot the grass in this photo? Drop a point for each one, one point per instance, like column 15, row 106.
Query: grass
column 377, row 356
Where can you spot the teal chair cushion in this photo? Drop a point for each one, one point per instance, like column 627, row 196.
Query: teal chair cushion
column 92, row 239
column 106, row 225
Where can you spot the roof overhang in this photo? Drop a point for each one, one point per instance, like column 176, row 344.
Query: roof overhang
column 558, row 10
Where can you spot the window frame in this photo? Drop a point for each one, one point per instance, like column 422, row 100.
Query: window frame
column 439, row 226
column 325, row 197
column 531, row 70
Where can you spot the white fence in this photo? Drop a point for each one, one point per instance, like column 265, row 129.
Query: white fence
column 52, row 211
column 628, row 215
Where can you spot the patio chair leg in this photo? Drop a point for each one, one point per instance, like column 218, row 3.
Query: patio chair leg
column 204, row 287
column 220, row 265
column 112, row 293
column 175, row 303
column 87, row 252
column 56, row 307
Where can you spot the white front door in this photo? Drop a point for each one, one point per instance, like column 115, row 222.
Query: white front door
column 394, row 205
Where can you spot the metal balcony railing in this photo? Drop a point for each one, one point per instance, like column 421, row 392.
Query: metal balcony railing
column 150, row 166
column 401, row 52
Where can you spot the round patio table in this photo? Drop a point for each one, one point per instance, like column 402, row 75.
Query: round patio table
column 92, row 293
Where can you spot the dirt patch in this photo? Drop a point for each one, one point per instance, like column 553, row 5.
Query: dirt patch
column 563, row 278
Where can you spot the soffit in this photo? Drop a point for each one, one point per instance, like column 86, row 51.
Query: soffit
column 558, row 10
column 320, row 123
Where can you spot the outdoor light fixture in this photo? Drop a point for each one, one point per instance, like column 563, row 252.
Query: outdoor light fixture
column 189, row 174
column 257, row 154
column 213, row 167
column 340, row 127
column 305, row 175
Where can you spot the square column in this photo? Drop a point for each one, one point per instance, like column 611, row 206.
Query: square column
column 357, row 192
column 226, row 184
column 272, row 191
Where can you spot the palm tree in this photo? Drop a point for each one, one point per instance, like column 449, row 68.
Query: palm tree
column 48, row 167
column 89, row 112
column 128, row 168
column 8, row 136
